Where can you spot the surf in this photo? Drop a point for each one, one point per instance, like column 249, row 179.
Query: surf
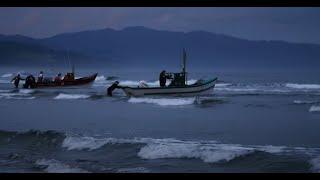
column 71, row 96
column 164, row 101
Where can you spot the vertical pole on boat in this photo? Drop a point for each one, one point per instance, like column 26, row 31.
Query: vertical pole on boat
column 184, row 65
column 72, row 68
column 68, row 58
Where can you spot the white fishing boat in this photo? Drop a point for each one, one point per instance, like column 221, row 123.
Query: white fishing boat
column 200, row 87
column 177, row 87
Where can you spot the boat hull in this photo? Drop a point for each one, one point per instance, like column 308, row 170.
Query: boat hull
column 172, row 91
column 76, row 82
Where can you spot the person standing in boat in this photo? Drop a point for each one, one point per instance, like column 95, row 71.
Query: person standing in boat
column 40, row 77
column 16, row 80
column 58, row 79
column 163, row 78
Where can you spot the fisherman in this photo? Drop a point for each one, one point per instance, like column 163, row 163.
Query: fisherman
column 16, row 80
column 112, row 87
column 40, row 77
column 163, row 78
column 58, row 79
column 30, row 82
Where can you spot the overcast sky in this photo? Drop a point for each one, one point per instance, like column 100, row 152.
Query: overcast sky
column 274, row 23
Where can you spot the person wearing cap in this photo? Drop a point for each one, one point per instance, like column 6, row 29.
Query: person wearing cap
column 40, row 77
column 58, row 79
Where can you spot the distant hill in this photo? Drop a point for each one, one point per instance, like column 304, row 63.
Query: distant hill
column 140, row 46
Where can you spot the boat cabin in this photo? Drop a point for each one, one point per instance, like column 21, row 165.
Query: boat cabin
column 179, row 79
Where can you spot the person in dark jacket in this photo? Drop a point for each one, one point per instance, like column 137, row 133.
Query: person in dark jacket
column 30, row 82
column 112, row 87
column 163, row 78
column 58, row 79
column 16, row 80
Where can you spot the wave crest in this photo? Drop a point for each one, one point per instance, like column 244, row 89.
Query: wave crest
column 71, row 96
column 314, row 108
column 55, row 166
column 164, row 101
column 207, row 151
column 303, row 86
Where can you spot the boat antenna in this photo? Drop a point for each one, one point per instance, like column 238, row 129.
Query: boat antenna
column 70, row 63
column 184, row 59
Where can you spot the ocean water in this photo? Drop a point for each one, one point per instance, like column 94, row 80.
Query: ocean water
column 253, row 121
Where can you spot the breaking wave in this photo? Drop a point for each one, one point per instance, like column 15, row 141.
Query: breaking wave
column 269, row 88
column 7, row 75
column 55, row 166
column 100, row 79
column 222, row 84
column 164, row 101
column 207, row 151
column 315, row 162
column 314, row 108
column 71, row 96
column 147, row 148
column 303, row 86
column 26, row 91
column 6, row 94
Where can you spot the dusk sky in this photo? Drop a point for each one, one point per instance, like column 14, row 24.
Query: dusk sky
column 274, row 23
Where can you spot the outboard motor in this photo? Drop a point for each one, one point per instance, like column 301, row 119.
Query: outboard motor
column 113, row 87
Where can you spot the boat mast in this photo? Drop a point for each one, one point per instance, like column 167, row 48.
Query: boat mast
column 184, row 59
column 70, row 63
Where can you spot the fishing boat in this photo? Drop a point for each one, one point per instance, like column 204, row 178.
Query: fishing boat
column 68, row 80
column 178, row 86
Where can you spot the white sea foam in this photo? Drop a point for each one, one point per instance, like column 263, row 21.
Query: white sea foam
column 304, row 102
column 7, row 75
column 303, row 86
column 8, row 95
column 207, row 151
column 164, row 101
column 26, row 91
column 79, row 143
column 271, row 149
column 222, row 84
column 314, row 108
column 71, row 96
column 100, row 79
column 315, row 163
column 91, row 143
column 235, row 89
column 12, row 97
column 54, row 166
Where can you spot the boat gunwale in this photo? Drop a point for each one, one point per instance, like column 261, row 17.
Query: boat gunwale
column 171, row 87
